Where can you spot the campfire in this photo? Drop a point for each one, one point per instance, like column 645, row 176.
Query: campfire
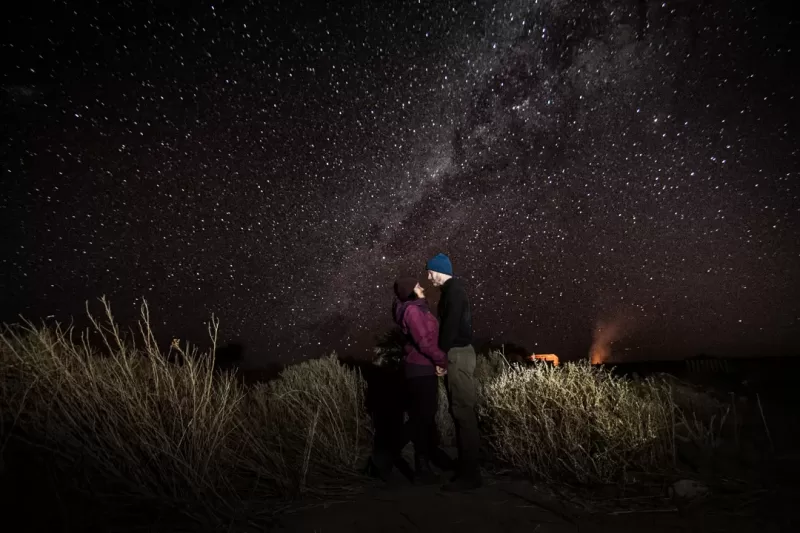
column 599, row 354
column 605, row 333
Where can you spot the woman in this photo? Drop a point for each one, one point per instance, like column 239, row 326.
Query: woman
column 423, row 362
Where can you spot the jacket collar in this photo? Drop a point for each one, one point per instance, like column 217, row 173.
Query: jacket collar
column 448, row 284
column 400, row 308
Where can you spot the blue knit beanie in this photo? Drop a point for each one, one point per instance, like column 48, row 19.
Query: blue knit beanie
column 440, row 263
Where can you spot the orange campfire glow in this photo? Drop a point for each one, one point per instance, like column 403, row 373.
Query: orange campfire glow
column 605, row 333
column 548, row 357
column 599, row 354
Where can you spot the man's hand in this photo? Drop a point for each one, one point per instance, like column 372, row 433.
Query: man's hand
column 440, row 371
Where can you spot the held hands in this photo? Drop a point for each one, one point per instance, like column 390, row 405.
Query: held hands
column 441, row 371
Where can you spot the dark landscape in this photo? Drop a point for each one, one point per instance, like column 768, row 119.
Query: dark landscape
column 207, row 208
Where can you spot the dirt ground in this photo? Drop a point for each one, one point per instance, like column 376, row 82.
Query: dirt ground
column 764, row 499
column 506, row 504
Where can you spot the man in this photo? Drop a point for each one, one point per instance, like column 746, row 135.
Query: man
column 455, row 339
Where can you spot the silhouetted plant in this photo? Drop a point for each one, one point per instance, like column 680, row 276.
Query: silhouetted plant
column 388, row 349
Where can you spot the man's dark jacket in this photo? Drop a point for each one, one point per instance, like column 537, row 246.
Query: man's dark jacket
column 455, row 317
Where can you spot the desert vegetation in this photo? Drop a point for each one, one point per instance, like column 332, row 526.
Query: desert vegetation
column 577, row 422
column 126, row 422
column 119, row 420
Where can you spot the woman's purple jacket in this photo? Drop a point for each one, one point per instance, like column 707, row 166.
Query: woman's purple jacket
column 422, row 353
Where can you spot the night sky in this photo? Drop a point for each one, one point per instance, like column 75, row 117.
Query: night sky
column 632, row 164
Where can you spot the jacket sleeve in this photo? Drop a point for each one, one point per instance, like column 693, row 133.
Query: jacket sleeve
column 453, row 309
column 424, row 332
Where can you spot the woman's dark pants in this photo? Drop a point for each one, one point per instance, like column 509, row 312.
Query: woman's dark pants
column 423, row 401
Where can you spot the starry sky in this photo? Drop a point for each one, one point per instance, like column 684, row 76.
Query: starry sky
column 627, row 165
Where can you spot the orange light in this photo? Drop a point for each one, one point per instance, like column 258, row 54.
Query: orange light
column 548, row 357
column 599, row 354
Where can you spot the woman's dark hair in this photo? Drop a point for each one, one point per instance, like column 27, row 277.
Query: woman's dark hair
column 404, row 288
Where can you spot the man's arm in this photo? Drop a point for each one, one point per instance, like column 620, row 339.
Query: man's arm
column 424, row 334
column 454, row 308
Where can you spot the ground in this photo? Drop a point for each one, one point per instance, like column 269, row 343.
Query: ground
column 506, row 503
column 510, row 505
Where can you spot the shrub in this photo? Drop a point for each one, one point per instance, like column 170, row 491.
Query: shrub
column 141, row 427
column 166, row 430
column 315, row 415
column 576, row 421
column 490, row 366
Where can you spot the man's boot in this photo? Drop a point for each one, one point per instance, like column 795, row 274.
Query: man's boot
column 423, row 474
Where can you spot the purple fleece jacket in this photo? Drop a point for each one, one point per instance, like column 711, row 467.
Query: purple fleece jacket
column 422, row 353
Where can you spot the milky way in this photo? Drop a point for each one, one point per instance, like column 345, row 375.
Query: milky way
column 632, row 164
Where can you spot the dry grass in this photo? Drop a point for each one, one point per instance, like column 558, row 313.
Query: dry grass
column 576, row 422
column 580, row 423
column 164, row 429
column 314, row 415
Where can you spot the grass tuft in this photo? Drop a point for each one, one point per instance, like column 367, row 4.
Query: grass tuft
column 165, row 430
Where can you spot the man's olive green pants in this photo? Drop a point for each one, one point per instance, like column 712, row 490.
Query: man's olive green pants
column 462, row 394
